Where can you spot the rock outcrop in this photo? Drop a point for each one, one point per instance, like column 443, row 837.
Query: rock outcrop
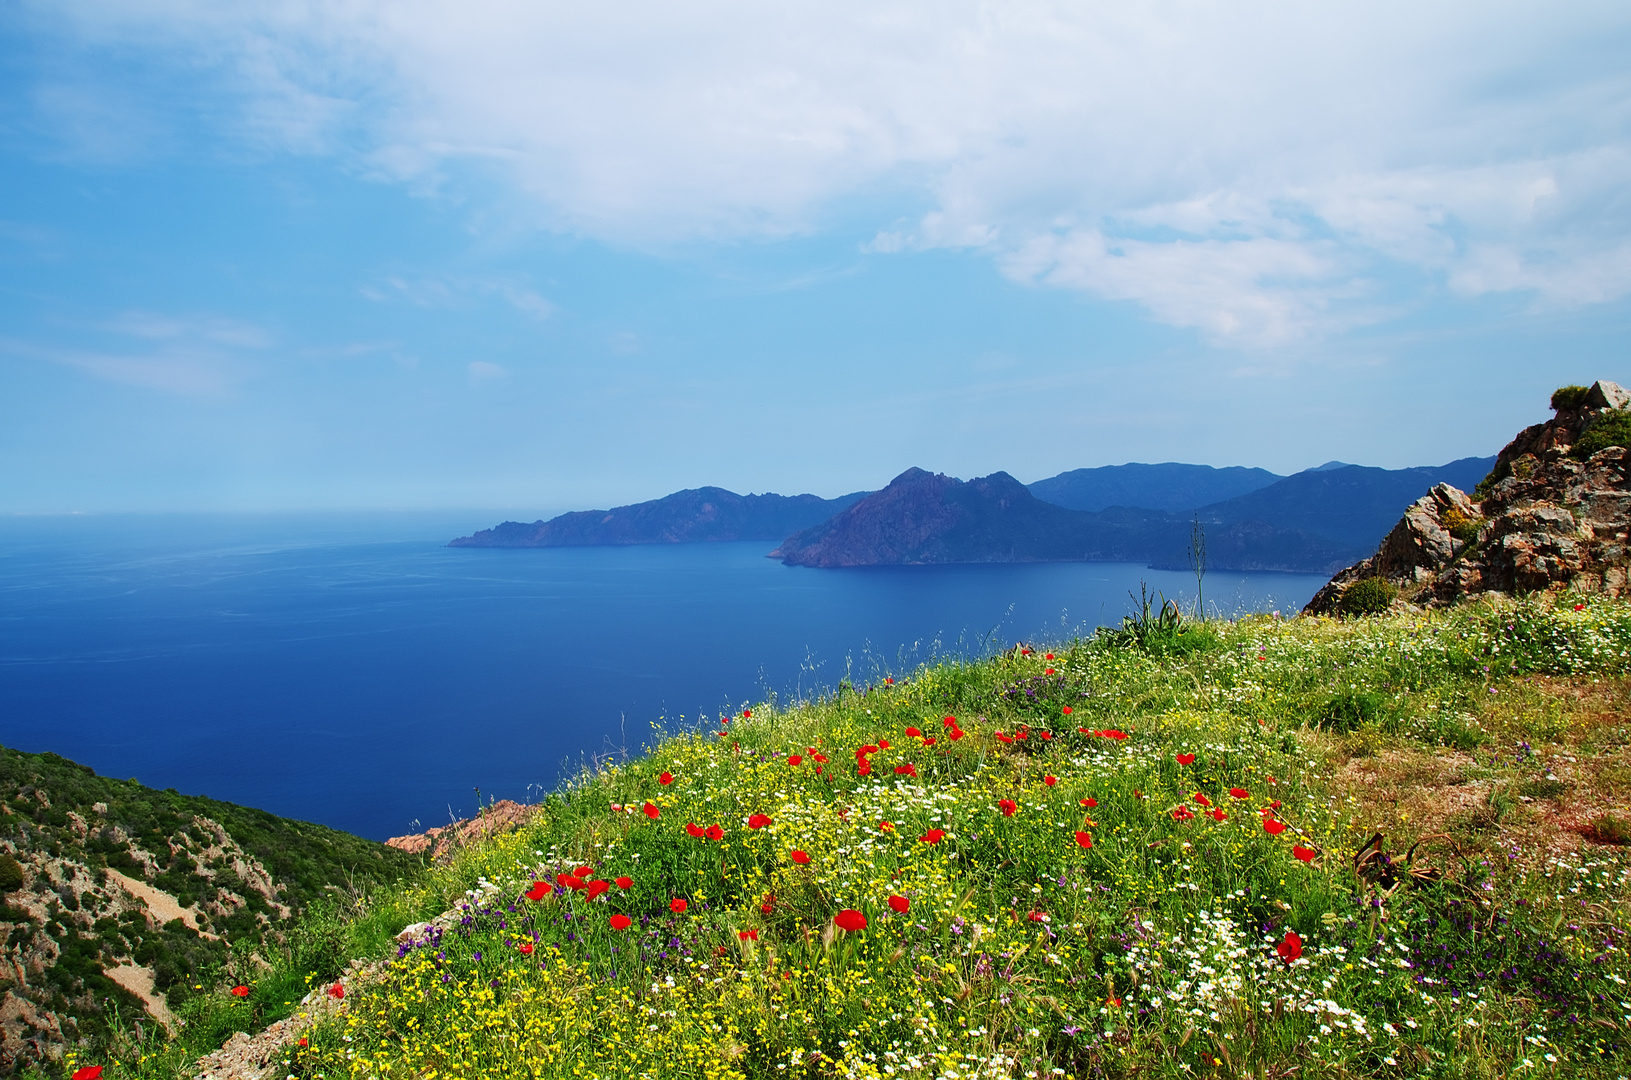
column 1550, row 516
column 442, row 842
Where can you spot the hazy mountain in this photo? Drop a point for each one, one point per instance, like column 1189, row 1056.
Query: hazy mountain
column 924, row 517
column 1353, row 505
column 1167, row 486
column 707, row 513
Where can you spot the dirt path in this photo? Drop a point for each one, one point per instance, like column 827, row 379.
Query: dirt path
column 163, row 906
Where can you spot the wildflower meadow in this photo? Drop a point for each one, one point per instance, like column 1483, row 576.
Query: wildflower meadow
column 1263, row 847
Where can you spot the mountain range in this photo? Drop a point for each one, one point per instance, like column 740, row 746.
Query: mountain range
column 1318, row 520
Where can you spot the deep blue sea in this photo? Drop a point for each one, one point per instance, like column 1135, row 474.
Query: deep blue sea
column 352, row 670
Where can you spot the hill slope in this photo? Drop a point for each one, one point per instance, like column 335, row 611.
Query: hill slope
column 695, row 514
column 124, row 894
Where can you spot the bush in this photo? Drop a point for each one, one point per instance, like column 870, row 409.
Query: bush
column 1461, row 526
column 1609, row 429
column 1352, row 710
column 1565, row 398
column 11, row 873
column 1367, row 596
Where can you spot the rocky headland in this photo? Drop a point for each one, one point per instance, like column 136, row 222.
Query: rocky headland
column 1552, row 515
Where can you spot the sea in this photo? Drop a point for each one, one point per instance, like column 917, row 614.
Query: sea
column 353, row 670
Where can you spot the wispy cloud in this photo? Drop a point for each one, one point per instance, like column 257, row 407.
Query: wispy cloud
column 200, row 357
column 441, row 292
column 1259, row 171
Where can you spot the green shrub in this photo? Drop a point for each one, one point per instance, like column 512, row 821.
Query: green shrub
column 1367, row 596
column 1351, row 710
column 1565, row 398
column 1461, row 526
column 11, row 873
column 1609, row 429
column 1609, row 829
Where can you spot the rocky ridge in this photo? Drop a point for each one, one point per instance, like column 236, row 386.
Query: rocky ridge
column 1552, row 515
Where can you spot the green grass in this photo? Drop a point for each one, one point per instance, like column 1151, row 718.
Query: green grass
column 1163, row 949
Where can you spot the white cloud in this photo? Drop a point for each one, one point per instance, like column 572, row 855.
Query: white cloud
column 483, row 371
column 1257, row 170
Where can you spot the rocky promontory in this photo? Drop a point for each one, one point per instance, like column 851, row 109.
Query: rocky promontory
column 1553, row 514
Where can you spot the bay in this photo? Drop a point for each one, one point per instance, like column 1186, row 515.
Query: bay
column 353, row 670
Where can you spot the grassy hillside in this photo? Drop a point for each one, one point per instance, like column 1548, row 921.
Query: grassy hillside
column 124, row 901
column 1371, row 848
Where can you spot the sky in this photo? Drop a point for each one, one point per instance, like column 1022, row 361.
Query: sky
column 287, row 255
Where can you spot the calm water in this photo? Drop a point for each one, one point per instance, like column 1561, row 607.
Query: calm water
column 351, row 670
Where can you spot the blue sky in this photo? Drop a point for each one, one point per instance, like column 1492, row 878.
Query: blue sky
column 293, row 255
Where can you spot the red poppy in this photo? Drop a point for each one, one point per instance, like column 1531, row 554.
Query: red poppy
column 758, row 821
column 694, row 829
column 1004, row 738
column 883, row 744
column 1049, row 656
column 899, row 905
column 1007, row 806
column 1090, row 802
column 1273, row 826
column 956, row 733
column 1290, row 947
column 1022, row 733
column 526, row 948
column 933, row 836
column 821, row 758
column 1240, row 793
column 89, row 1072
column 928, row 740
column 1050, row 780
column 583, row 872
column 1201, row 798
column 619, row 922
column 337, row 991
column 1275, row 805
column 1114, row 1003
column 867, row 749
column 678, row 905
column 906, row 770
column 914, row 733
column 715, row 832
column 595, row 888
column 747, row 712
column 889, row 682
column 1084, row 841
column 539, row 890
column 769, row 905
column 748, row 935
column 886, row 826
column 1184, row 759
column 650, row 811
column 950, row 721
column 1034, row 916
column 850, row 919
column 1113, row 733
column 863, row 768
column 1219, row 815
column 1084, row 731
column 302, row 1040
column 240, row 991
column 665, row 779
column 625, row 883
column 1067, row 710
column 1303, row 854
column 1182, row 814
column 795, row 759
column 1579, row 607
column 800, row 857
column 1045, row 734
